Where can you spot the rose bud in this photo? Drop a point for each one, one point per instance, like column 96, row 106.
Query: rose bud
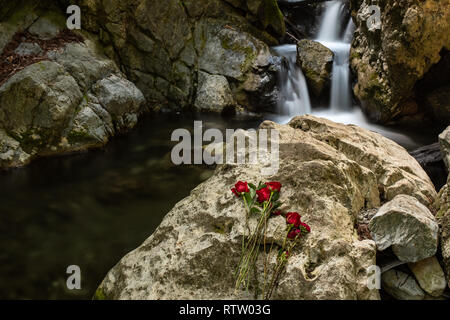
column 239, row 188
column 263, row 194
column 294, row 233
column 274, row 186
column 293, row 218
column 305, row 226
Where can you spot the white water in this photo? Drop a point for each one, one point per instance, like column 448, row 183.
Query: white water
column 294, row 97
column 331, row 37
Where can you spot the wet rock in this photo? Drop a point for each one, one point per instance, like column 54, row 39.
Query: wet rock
column 406, row 225
column 316, row 61
column 214, row 93
column 329, row 172
column 401, row 286
column 28, row 49
column 429, row 275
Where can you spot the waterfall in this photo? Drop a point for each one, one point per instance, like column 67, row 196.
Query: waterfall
column 294, row 96
column 330, row 36
column 330, row 24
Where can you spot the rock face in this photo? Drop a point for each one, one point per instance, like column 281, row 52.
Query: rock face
column 391, row 56
column 164, row 46
column 406, row 225
column 429, row 275
column 330, row 172
column 316, row 61
column 75, row 99
column 401, row 286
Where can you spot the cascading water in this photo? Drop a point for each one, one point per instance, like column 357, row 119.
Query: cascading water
column 330, row 35
column 294, row 98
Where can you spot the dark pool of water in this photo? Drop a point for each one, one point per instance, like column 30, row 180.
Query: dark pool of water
column 91, row 209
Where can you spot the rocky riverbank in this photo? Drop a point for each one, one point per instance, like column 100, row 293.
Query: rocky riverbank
column 334, row 174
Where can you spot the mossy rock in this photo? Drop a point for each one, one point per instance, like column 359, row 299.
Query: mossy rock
column 269, row 14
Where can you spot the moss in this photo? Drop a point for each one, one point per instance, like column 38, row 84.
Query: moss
column 75, row 137
column 29, row 141
column 99, row 295
column 270, row 14
column 229, row 44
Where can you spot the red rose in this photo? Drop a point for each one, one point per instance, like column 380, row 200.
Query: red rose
column 304, row 225
column 239, row 188
column 274, row 186
column 263, row 194
column 293, row 218
column 294, row 233
column 276, row 213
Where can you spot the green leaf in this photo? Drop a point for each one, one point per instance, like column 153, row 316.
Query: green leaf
column 255, row 210
column 276, row 205
column 252, row 193
column 275, row 196
column 248, row 198
column 252, row 186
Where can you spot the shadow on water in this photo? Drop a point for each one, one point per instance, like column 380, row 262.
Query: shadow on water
column 91, row 209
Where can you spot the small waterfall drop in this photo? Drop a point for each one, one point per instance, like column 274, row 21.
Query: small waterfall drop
column 294, row 96
column 330, row 36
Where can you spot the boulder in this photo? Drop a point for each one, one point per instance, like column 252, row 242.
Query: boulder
column 391, row 56
column 429, row 275
column 316, row 62
column 406, row 225
column 28, row 49
column 48, row 25
column 228, row 51
column 401, row 286
column 329, row 171
column 444, row 141
column 214, row 93
column 74, row 100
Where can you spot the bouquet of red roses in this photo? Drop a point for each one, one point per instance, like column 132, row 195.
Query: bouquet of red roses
column 263, row 200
